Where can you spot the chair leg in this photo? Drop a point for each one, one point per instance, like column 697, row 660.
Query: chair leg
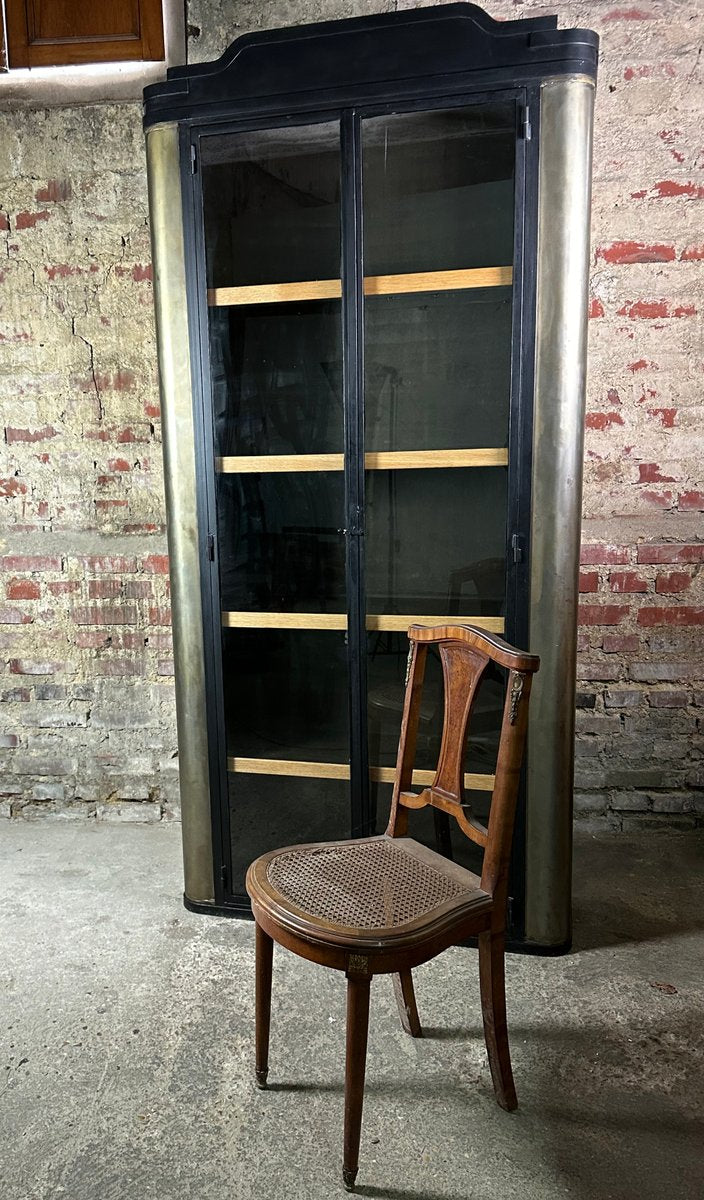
column 406, row 1000
column 262, row 1003
column 357, row 1029
column 491, row 981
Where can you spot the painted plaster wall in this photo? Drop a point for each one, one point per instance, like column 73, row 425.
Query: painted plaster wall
column 86, row 689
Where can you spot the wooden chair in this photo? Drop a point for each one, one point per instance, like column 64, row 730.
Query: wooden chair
column 383, row 905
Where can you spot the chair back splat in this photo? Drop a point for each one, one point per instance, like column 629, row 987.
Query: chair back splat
column 465, row 653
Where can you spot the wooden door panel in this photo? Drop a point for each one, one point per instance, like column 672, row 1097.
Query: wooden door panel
column 43, row 33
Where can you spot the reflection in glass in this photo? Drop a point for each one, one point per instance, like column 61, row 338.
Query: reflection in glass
column 438, row 370
column 286, row 694
column 280, row 544
column 277, row 378
column 270, row 811
column 438, row 190
column 272, row 205
column 435, row 541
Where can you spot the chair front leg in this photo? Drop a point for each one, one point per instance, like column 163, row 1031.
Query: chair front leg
column 493, row 994
column 357, row 1030
column 264, row 948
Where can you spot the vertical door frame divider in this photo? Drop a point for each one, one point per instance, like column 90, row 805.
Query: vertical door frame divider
column 352, row 268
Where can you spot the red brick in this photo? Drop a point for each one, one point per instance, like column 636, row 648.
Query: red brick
column 23, row 589
column 671, row 552
column 621, row 643
column 601, row 421
column 627, row 581
column 165, row 667
column 142, row 272
column 55, row 192
column 666, row 415
column 117, row 615
column 640, row 365
column 119, row 465
column 4, row 222
column 25, row 666
column 104, row 589
column 129, row 434
column 602, row 614
column 63, row 587
column 156, row 564
column 18, row 695
column 28, row 220
column 589, row 581
column 138, row 589
column 681, row 615
column 595, row 554
column 109, row 505
column 29, row 435
column 636, row 252
column 668, row 188
column 12, row 487
column 691, row 501
column 676, row 581
column 596, row 308
column 159, row 616
column 658, row 499
column 650, row 473
column 651, row 310
column 25, row 563
column 128, row 641
column 116, row 667
column 108, row 564
column 160, row 641
column 15, row 616
column 91, row 639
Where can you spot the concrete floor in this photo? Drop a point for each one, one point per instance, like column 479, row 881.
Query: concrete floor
column 126, row 1043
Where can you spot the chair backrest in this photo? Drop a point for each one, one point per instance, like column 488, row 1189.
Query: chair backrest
column 465, row 653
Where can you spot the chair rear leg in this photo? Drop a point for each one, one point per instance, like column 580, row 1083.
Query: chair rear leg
column 262, row 1003
column 406, row 1000
column 357, row 1030
column 493, row 993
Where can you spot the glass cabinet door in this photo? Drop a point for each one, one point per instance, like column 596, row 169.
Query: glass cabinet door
column 438, row 211
column 272, row 245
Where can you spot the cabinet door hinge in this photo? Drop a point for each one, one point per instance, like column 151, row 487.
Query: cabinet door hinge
column 211, row 547
column 223, row 877
column 194, row 160
column 517, row 547
column 526, row 127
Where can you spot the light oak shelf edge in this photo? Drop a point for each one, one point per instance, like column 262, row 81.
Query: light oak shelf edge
column 376, row 623
column 374, row 285
column 324, row 770
column 381, row 460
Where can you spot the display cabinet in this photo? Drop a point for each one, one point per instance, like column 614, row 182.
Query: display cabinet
column 371, row 249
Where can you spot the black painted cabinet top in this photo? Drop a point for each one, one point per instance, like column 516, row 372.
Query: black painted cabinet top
column 377, row 59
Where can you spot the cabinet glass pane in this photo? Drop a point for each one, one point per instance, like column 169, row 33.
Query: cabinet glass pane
column 279, row 540
column 268, row 811
column 438, row 370
column 438, row 189
column 277, row 378
column 435, row 541
column 272, row 203
column 286, row 694
column 272, row 239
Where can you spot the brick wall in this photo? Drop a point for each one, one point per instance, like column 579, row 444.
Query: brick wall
column 89, row 724
column 87, row 721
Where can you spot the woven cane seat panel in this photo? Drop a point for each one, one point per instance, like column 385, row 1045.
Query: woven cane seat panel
column 368, row 885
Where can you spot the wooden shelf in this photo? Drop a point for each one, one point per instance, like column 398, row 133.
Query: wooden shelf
column 383, row 460
column 326, row 621
column 374, row 285
column 323, row 770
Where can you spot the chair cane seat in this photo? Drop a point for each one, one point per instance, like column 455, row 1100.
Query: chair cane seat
column 368, row 886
